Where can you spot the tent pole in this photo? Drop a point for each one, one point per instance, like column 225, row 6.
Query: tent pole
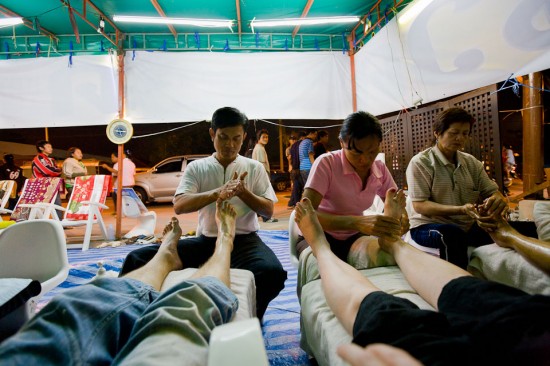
column 351, row 54
column 281, row 147
column 121, row 112
column 532, row 132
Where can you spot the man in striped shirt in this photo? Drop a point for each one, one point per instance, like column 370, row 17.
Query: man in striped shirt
column 307, row 154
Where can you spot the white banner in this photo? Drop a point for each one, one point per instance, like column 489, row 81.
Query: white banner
column 190, row 86
column 48, row 92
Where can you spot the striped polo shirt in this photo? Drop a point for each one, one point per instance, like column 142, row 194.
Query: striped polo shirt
column 306, row 146
column 431, row 177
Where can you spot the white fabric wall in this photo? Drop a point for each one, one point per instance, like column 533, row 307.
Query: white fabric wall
column 46, row 92
column 452, row 47
column 190, row 86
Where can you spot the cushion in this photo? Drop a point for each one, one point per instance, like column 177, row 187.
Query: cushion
column 541, row 215
column 242, row 285
column 506, row 266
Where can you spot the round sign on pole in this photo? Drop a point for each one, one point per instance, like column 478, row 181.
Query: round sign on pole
column 119, row 131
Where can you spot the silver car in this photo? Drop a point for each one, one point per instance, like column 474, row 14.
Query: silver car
column 159, row 183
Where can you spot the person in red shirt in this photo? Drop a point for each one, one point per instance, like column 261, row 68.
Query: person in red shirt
column 44, row 166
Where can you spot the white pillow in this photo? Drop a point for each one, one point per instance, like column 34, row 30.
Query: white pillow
column 541, row 214
column 505, row 266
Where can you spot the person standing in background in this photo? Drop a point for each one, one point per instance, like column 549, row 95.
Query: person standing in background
column 73, row 167
column 307, row 154
column 128, row 173
column 295, row 177
column 10, row 171
column 259, row 154
column 44, row 166
column 321, row 146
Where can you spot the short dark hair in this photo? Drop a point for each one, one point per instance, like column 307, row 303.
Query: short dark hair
column 9, row 159
column 260, row 133
column 229, row 117
column 71, row 150
column 40, row 144
column 321, row 134
column 449, row 116
column 359, row 125
column 302, row 134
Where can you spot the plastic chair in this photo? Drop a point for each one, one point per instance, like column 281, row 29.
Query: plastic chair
column 133, row 207
column 6, row 187
column 237, row 343
column 34, row 250
column 36, row 191
column 84, row 207
column 293, row 235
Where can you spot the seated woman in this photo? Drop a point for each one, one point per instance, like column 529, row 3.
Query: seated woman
column 343, row 183
column 444, row 185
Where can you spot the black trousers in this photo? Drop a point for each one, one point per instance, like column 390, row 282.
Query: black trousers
column 249, row 252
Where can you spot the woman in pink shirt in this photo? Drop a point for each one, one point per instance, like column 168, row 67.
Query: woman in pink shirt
column 343, row 183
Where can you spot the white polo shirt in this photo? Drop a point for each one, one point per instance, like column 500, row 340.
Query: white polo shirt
column 206, row 174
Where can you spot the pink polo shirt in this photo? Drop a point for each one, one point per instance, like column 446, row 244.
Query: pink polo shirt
column 336, row 180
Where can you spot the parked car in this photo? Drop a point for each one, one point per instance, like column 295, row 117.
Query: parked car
column 159, row 183
column 280, row 180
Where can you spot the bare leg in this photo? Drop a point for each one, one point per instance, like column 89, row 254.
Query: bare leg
column 425, row 273
column 218, row 264
column 165, row 261
column 343, row 300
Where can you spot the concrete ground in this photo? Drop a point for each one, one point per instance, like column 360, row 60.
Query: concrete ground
column 188, row 222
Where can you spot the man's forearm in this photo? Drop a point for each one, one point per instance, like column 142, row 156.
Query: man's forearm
column 192, row 202
column 260, row 205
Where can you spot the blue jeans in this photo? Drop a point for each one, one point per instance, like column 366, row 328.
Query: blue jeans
column 451, row 240
column 120, row 320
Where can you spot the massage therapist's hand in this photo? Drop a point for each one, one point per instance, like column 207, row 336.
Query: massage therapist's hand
column 233, row 187
column 494, row 205
column 378, row 225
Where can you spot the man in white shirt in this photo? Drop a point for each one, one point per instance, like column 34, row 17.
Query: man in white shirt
column 226, row 175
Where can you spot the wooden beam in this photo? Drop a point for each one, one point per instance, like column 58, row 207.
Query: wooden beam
column 27, row 23
column 238, row 6
column 351, row 54
column 94, row 26
column 304, row 14
column 163, row 15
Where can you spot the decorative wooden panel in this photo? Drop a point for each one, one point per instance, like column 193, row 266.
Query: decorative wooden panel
column 406, row 134
column 394, row 145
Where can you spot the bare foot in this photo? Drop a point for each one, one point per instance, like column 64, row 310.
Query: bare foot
column 307, row 221
column 226, row 220
column 169, row 246
column 394, row 205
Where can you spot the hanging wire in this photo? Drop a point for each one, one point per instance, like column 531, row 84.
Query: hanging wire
column 294, row 126
column 170, row 130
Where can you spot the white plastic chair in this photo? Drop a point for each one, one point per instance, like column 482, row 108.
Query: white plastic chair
column 34, row 250
column 6, row 187
column 237, row 343
column 133, row 207
column 86, row 212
